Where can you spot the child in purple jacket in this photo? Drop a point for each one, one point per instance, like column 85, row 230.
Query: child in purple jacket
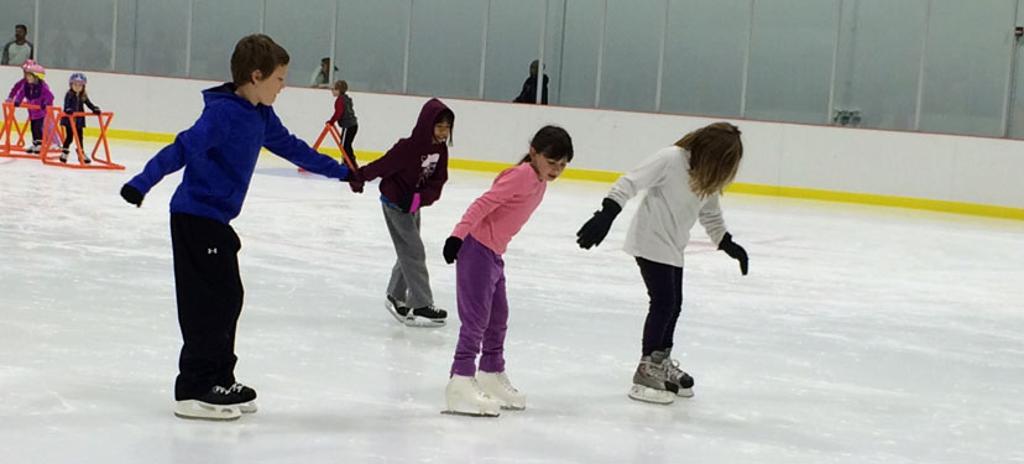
column 33, row 90
column 412, row 174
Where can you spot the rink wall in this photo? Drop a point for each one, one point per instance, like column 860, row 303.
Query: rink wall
column 962, row 174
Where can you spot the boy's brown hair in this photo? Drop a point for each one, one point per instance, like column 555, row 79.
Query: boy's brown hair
column 341, row 86
column 715, row 154
column 256, row 52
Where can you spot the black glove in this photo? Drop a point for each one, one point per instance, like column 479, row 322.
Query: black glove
column 355, row 181
column 451, row 249
column 132, row 195
column 96, row 111
column 594, row 231
column 735, row 251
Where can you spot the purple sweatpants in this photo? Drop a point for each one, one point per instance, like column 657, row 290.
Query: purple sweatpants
column 483, row 309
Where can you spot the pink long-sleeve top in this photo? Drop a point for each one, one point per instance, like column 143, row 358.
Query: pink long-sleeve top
column 495, row 217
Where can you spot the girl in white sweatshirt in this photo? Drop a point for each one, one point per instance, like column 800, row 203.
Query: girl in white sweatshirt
column 683, row 183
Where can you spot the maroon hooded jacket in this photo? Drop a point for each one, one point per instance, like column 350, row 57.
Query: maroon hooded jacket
column 415, row 164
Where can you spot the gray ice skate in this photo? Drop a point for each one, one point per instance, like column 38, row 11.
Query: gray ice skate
column 650, row 381
column 677, row 376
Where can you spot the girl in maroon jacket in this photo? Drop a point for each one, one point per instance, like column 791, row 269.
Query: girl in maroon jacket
column 412, row 174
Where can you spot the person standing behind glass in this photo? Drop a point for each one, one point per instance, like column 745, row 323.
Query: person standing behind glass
column 529, row 92
column 321, row 78
column 17, row 51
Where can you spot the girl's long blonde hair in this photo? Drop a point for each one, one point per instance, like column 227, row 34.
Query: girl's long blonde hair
column 715, row 154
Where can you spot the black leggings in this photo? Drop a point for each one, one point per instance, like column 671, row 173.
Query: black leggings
column 348, row 134
column 69, row 135
column 37, row 130
column 665, row 289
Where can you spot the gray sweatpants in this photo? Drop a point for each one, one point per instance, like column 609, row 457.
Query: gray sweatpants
column 409, row 279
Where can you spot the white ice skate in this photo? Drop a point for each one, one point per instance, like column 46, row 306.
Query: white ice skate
column 464, row 396
column 498, row 386
column 195, row 409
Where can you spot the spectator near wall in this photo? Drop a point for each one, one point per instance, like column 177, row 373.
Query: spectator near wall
column 18, row 50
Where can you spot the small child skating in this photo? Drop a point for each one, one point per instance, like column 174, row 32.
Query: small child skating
column 75, row 101
column 477, row 245
column 219, row 154
column 33, row 90
column 412, row 173
column 683, row 183
column 345, row 116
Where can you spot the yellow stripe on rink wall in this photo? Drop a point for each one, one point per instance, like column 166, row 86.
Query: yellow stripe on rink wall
column 610, row 176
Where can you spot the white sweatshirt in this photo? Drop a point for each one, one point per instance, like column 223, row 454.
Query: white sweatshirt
column 661, row 228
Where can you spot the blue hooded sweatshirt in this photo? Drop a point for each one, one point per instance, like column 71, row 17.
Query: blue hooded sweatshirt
column 219, row 155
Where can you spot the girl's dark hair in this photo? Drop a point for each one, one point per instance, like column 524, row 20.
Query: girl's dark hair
column 341, row 86
column 445, row 116
column 553, row 142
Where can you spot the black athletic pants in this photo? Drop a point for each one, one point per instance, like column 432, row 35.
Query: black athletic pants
column 348, row 134
column 665, row 289
column 209, row 293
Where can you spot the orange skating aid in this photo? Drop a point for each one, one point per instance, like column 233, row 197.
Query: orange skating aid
column 12, row 135
column 91, row 160
column 348, row 158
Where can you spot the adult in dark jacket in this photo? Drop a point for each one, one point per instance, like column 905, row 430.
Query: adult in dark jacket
column 529, row 92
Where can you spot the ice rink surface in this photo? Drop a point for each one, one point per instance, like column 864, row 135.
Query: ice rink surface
column 862, row 334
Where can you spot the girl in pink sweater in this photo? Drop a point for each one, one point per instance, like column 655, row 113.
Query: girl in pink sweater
column 477, row 243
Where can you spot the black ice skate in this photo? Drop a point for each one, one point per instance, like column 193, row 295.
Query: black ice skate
column 219, row 403
column 397, row 308
column 427, row 316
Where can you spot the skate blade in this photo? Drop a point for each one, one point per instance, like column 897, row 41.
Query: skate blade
column 422, row 322
column 511, row 407
column 450, row 412
column 197, row 410
column 685, row 393
column 650, row 395
column 248, row 408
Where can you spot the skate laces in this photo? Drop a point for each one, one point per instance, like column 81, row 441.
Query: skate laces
column 655, row 370
column 477, row 390
column 672, row 367
column 236, row 387
column 221, row 390
column 505, row 382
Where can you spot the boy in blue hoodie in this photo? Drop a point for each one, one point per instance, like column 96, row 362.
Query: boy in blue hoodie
column 219, row 154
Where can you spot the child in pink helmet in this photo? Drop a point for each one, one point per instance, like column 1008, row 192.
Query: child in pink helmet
column 33, row 90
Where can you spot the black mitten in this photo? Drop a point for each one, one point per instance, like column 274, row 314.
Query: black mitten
column 735, row 251
column 132, row 195
column 594, row 231
column 451, row 249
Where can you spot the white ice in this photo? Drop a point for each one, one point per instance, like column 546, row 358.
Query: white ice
column 861, row 335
